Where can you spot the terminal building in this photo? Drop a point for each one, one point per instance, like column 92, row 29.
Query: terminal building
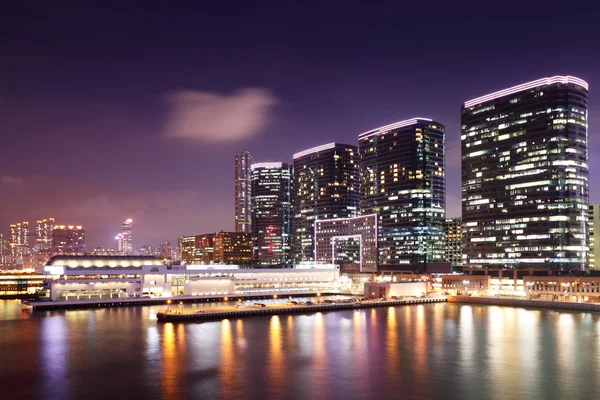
column 85, row 277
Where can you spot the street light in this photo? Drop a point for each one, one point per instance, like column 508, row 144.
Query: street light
column 466, row 287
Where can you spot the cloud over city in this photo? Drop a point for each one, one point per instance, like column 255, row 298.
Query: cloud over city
column 211, row 117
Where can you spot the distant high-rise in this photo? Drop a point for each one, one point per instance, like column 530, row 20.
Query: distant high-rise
column 271, row 212
column 68, row 239
column 402, row 179
column 594, row 236
column 43, row 231
column 525, row 176
column 243, row 196
column 454, row 242
column 124, row 245
column 19, row 243
column 326, row 186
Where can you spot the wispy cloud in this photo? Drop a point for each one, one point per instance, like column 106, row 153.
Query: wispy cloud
column 9, row 180
column 211, row 117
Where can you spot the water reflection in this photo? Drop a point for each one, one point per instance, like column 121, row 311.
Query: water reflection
column 275, row 365
column 227, row 362
column 54, row 355
column 413, row 352
column 171, row 371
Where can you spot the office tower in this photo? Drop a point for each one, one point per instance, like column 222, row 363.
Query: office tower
column 243, row 196
column 19, row 243
column 124, row 245
column 187, row 246
column 68, row 239
column 594, row 240
column 350, row 243
column 204, row 248
column 43, row 231
column 402, row 179
column 525, row 176
column 453, row 242
column 326, row 186
column 232, row 247
column 271, row 212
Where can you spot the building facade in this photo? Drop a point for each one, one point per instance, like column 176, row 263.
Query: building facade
column 350, row 243
column 402, row 179
column 454, row 242
column 593, row 238
column 68, row 239
column 187, row 247
column 243, row 195
column 326, row 185
column 232, row 247
column 525, row 176
column 271, row 212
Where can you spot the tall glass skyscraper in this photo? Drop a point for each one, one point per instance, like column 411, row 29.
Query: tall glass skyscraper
column 326, row 186
column 243, row 199
column 271, row 212
column 525, row 176
column 402, row 179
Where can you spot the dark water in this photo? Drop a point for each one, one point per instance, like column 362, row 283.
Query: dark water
column 412, row 352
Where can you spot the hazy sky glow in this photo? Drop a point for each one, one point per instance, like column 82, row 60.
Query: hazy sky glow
column 110, row 111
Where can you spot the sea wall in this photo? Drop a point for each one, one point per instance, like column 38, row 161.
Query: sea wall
column 510, row 302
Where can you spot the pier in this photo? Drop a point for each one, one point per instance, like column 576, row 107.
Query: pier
column 165, row 316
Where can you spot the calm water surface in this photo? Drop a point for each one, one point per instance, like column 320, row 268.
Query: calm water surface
column 412, row 352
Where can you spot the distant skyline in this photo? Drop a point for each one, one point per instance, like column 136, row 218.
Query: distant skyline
column 110, row 111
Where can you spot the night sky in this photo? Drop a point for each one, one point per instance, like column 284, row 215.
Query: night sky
column 111, row 110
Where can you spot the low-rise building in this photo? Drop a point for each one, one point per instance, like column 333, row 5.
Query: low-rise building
column 348, row 242
column 466, row 284
column 563, row 288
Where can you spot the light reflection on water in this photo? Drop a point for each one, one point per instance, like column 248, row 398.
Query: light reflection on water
column 412, row 352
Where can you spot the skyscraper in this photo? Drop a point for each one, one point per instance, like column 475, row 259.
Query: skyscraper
column 243, row 199
column 271, row 212
column 19, row 243
column 402, row 179
column 525, row 176
column 124, row 245
column 43, row 231
column 326, row 186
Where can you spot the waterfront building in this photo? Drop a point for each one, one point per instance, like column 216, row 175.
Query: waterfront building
column 124, row 243
column 326, row 186
column 350, row 243
column 525, row 176
column 84, row 277
column 576, row 289
column 271, row 212
column 232, row 247
column 243, row 195
column 68, row 239
column 402, row 180
column 454, row 242
column 19, row 243
column 594, row 239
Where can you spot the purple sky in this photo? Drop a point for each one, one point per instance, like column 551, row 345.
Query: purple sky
column 110, row 111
